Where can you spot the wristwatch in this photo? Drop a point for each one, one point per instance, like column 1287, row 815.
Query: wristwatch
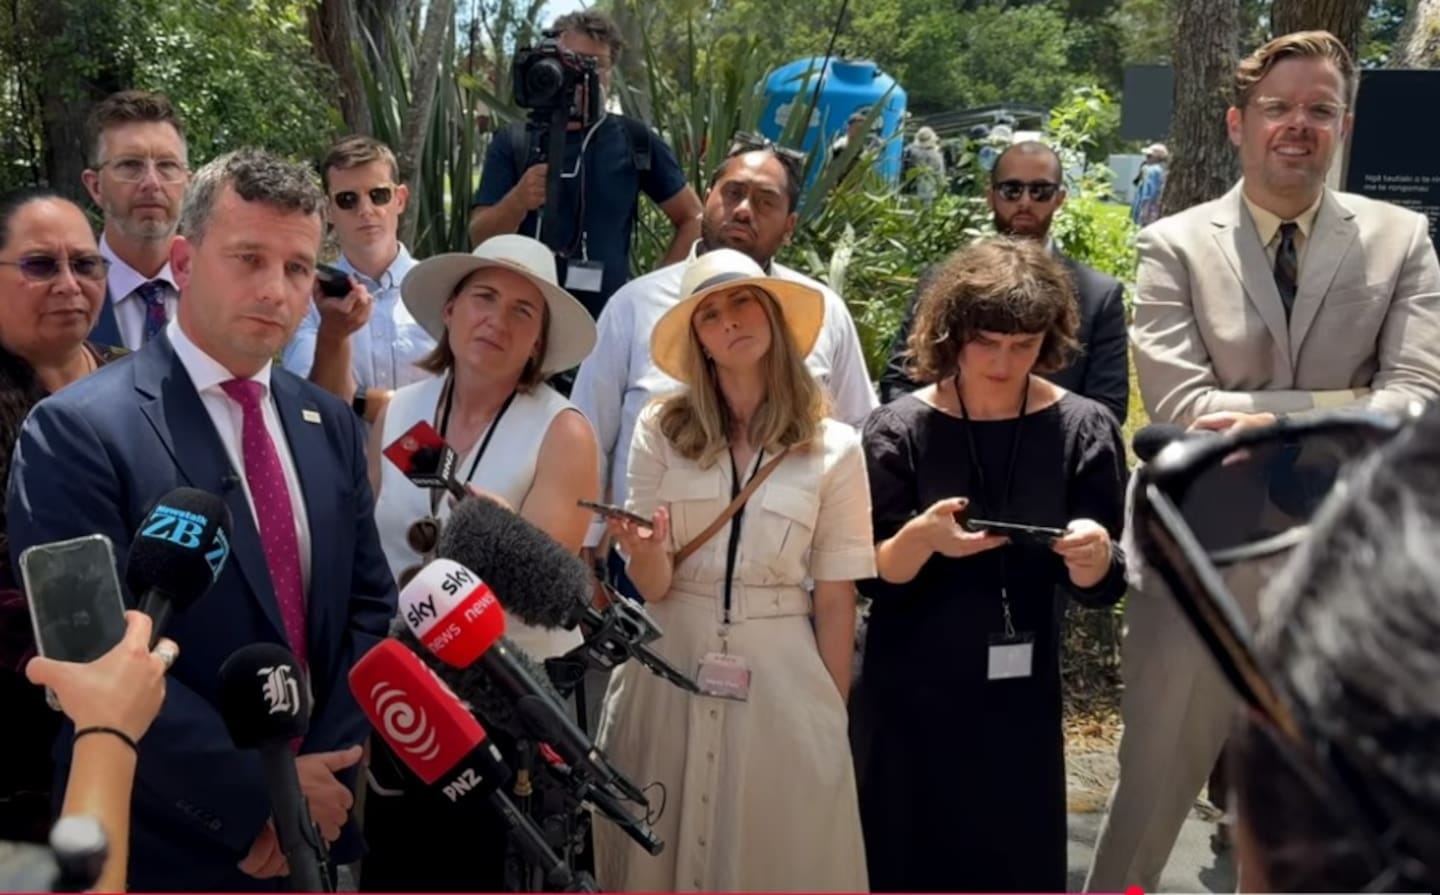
column 358, row 402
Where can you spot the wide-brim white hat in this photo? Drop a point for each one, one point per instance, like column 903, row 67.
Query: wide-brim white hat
column 429, row 285
column 721, row 270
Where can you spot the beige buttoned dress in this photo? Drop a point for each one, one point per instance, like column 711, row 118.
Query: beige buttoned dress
column 758, row 795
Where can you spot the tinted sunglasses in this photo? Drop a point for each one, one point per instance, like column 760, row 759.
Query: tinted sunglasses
column 348, row 200
column 745, row 141
column 43, row 268
column 423, row 536
column 1207, row 504
column 1040, row 190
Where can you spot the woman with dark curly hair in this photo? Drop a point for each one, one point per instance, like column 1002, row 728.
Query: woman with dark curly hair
column 956, row 719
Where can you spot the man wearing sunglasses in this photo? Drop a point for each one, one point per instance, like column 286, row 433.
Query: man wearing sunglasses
column 1026, row 190
column 363, row 346
column 137, row 177
column 1281, row 298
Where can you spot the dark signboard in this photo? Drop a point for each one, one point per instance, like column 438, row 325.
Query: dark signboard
column 1393, row 153
column 1145, row 105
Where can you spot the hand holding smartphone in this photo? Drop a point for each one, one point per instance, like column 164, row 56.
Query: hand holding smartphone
column 333, row 282
column 1035, row 535
column 610, row 511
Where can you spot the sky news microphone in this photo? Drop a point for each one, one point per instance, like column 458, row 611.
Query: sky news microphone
column 428, row 729
column 426, row 459
column 265, row 701
column 457, row 617
column 178, row 553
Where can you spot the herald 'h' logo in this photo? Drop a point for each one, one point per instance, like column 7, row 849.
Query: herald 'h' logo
column 280, row 689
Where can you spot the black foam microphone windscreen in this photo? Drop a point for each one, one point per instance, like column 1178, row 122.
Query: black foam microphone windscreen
column 264, row 697
column 533, row 576
column 1154, row 438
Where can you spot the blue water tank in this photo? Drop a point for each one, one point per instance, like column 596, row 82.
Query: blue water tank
column 846, row 86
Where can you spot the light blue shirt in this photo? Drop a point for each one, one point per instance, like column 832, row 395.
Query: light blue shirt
column 384, row 351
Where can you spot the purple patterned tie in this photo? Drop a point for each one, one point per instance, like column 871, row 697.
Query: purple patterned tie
column 266, row 479
column 153, row 295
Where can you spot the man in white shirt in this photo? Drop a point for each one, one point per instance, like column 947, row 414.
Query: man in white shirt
column 139, row 169
column 362, row 347
column 750, row 208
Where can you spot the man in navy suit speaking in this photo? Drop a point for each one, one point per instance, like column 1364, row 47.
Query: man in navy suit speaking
column 202, row 406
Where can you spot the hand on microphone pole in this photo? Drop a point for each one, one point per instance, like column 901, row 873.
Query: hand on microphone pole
column 329, row 800
column 266, row 860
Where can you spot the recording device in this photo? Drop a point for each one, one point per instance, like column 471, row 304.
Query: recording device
column 436, row 738
column 422, row 454
column 265, row 701
column 73, row 861
column 333, row 282
column 76, row 606
column 178, row 553
column 613, row 511
column 457, row 617
column 1034, row 535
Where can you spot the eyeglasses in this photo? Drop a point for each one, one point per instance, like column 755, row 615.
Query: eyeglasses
column 44, row 268
column 745, row 141
column 1213, row 503
column 348, row 200
column 1277, row 110
column 133, row 169
column 1040, row 190
column 423, row 536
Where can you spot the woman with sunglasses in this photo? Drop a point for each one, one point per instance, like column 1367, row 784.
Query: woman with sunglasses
column 956, row 720
column 754, row 773
column 502, row 324
column 52, row 284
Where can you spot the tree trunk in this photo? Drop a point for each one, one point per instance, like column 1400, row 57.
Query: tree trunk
column 422, row 100
column 1203, row 162
column 1343, row 18
column 335, row 37
column 1418, row 45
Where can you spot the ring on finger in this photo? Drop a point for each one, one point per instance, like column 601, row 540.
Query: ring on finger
column 165, row 651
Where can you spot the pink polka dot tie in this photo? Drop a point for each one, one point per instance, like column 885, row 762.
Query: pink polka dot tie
column 271, row 498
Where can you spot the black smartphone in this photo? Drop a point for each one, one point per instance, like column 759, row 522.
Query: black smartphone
column 334, row 282
column 607, row 509
column 1038, row 535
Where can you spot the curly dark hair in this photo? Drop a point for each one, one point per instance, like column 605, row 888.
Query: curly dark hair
column 1002, row 285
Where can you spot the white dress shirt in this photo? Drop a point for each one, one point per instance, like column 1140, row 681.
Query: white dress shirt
column 229, row 419
column 619, row 378
column 383, row 352
column 123, row 280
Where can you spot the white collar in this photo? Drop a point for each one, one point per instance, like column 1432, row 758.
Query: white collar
column 205, row 371
column 124, row 279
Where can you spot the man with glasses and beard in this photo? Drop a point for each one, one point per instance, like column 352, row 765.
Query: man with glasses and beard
column 1282, row 297
column 1026, row 189
column 138, row 172
column 363, row 346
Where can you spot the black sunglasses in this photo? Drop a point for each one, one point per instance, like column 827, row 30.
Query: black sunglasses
column 746, row 141
column 1040, row 190
column 348, row 200
column 1210, row 503
column 43, row 268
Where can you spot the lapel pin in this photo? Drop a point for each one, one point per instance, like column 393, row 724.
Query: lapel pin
column 310, row 416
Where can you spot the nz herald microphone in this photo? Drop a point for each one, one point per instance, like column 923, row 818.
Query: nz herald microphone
column 422, row 454
column 265, row 701
column 457, row 617
column 178, row 553
column 431, row 732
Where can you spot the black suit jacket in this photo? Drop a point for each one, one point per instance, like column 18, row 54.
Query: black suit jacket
column 1101, row 371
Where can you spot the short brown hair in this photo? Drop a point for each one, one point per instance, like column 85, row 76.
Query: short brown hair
column 354, row 151
column 1299, row 45
column 595, row 25
column 441, row 358
column 129, row 107
column 1002, row 285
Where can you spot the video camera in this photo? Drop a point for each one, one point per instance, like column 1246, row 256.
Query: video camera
column 549, row 78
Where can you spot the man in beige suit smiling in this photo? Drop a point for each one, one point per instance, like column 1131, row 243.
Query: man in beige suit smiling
column 1278, row 298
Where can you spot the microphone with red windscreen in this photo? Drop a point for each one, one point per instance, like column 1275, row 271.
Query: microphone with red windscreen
column 422, row 454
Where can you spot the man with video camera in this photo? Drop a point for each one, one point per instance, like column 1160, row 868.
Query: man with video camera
column 586, row 210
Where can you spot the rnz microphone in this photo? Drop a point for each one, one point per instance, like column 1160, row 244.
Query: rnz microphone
column 426, row 459
column 178, row 553
column 457, row 617
column 265, row 701
column 425, row 725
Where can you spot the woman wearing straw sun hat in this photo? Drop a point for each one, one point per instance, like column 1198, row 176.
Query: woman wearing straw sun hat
column 502, row 324
column 757, row 769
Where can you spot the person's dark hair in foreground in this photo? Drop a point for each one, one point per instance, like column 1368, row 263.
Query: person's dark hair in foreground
column 1352, row 641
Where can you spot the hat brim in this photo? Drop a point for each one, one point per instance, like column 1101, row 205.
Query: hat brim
column 429, row 285
column 803, row 309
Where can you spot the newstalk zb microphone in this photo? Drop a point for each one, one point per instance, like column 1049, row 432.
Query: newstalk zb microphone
column 178, row 553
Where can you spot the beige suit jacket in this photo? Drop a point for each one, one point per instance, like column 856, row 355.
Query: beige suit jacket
column 1210, row 332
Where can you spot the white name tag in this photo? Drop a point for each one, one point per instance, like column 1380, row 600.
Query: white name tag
column 1011, row 657
column 586, row 276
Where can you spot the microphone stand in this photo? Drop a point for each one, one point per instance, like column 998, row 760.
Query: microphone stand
column 617, row 634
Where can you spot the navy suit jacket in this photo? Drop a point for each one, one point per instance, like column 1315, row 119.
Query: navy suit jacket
column 106, row 330
column 94, row 458
column 1101, row 371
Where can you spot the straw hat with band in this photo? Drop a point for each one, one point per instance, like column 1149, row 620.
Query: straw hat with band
column 429, row 285
column 722, row 270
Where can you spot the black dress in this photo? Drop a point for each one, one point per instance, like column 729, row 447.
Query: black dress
column 961, row 778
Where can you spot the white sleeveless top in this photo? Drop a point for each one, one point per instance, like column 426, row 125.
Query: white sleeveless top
column 507, row 470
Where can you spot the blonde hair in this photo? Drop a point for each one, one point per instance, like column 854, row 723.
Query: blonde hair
column 1299, row 45
column 697, row 421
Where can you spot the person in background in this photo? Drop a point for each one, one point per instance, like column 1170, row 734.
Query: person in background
column 956, row 722
column 1150, row 185
column 52, row 285
column 362, row 347
column 924, row 158
column 760, row 783
column 138, row 173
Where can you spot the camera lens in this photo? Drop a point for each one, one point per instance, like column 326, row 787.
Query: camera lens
column 543, row 80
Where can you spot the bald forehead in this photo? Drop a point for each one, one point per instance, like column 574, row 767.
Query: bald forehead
column 1027, row 163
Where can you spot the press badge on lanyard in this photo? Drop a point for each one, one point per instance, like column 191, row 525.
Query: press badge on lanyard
column 722, row 675
column 1012, row 654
